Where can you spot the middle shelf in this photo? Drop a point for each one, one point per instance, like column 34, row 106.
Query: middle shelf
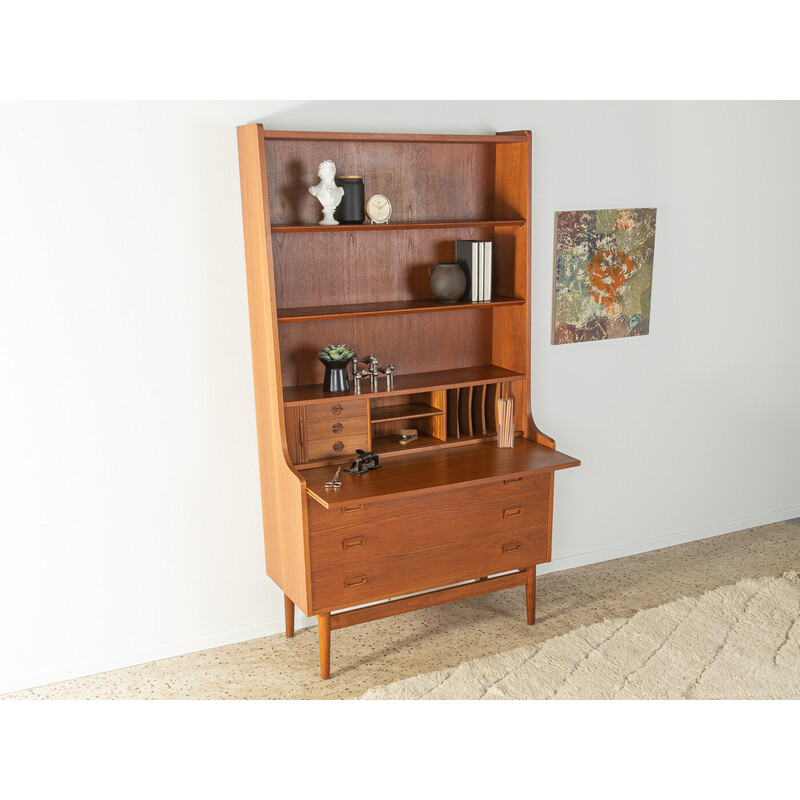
column 353, row 310
column 404, row 411
column 406, row 384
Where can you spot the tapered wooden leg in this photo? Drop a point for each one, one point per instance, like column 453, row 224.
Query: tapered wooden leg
column 324, row 627
column 530, row 595
column 288, row 611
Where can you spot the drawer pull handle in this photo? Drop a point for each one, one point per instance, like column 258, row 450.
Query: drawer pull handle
column 338, row 447
column 512, row 480
column 337, row 427
column 336, row 410
column 355, row 581
column 348, row 509
column 302, row 433
column 511, row 512
column 510, row 548
column 347, row 544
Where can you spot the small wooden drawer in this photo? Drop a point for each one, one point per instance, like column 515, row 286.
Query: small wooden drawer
column 336, row 411
column 333, row 445
column 336, row 428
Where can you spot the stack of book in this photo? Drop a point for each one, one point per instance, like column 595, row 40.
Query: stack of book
column 475, row 259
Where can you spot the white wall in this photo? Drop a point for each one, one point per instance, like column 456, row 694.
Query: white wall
column 129, row 502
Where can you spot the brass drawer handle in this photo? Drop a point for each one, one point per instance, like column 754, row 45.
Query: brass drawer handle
column 512, row 480
column 511, row 512
column 348, row 582
column 348, row 509
column 510, row 548
column 348, row 544
column 337, row 427
column 338, row 447
column 336, row 410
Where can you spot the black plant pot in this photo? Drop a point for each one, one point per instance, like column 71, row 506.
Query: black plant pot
column 336, row 377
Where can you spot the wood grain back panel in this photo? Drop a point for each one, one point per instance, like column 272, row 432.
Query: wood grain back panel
column 414, row 343
column 324, row 268
column 424, row 181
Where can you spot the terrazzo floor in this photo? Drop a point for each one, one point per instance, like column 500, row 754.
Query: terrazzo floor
column 382, row 651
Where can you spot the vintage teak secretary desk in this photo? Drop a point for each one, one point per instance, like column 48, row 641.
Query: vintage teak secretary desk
column 448, row 515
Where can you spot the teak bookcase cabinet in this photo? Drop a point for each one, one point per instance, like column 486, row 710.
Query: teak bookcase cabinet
column 449, row 515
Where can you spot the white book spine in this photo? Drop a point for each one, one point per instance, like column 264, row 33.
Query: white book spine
column 481, row 298
column 487, row 271
column 474, row 274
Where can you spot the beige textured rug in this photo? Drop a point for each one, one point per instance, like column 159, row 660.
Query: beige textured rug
column 733, row 643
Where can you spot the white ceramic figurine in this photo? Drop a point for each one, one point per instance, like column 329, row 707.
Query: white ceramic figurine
column 327, row 192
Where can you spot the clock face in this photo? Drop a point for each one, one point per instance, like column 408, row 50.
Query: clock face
column 378, row 208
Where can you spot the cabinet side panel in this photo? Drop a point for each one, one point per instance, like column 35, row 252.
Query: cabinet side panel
column 282, row 488
column 511, row 335
column 511, row 339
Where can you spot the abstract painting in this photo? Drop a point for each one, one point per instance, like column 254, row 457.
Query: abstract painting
column 604, row 274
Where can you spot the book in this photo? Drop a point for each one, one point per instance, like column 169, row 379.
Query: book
column 487, row 271
column 480, row 272
column 467, row 257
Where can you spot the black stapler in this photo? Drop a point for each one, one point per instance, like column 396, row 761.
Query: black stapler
column 365, row 462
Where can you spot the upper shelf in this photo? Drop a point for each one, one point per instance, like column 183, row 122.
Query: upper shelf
column 400, row 226
column 353, row 310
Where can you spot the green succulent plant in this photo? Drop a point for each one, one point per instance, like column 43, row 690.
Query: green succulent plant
column 335, row 352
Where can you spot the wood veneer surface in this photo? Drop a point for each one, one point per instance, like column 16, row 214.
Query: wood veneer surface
column 424, row 472
column 425, row 181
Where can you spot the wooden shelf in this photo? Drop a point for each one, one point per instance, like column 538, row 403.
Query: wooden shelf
column 400, row 226
column 406, row 384
column 354, row 310
column 404, row 411
column 388, row 444
column 420, row 138
column 439, row 470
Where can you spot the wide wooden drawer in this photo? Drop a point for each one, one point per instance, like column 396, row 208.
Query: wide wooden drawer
column 444, row 538
column 440, row 508
column 339, row 584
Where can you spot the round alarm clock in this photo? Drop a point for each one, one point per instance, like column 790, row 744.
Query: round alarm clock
column 378, row 208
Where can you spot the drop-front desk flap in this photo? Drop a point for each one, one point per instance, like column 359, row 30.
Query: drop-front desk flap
column 426, row 472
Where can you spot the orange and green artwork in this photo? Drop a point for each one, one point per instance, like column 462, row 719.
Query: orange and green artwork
column 604, row 274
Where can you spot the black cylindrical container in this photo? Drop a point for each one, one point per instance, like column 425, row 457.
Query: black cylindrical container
column 351, row 210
